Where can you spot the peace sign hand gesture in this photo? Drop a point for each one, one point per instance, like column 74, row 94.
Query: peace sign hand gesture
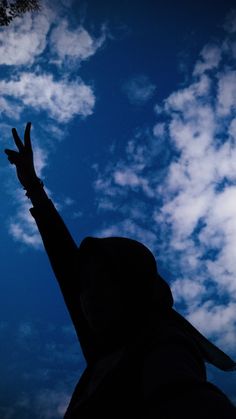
column 23, row 158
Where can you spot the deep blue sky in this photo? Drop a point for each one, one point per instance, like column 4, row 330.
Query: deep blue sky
column 133, row 108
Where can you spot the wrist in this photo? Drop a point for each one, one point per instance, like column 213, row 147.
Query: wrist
column 34, row 185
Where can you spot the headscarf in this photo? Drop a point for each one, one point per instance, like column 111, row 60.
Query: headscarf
column 130, row 267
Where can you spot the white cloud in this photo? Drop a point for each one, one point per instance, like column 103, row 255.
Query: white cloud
column 187, row 290
column 40, row 159
column 232, row 129
column 158, row 109
column 121, row 177
column 25, row 39
column 184, row 212
column 76, row 44
column 68, row 201
column 210, row 59
column 127, row 177
column 216, row 320
column 185, row 99
column 159, row 129
column 55, row 131
column 22, row 227
column 139, row 90
column 227, row 93
column 62, row 99
column 6, row 108
column 129, row 228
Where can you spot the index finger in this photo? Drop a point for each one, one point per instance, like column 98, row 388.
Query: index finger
column 27, row 139
column 17, row 140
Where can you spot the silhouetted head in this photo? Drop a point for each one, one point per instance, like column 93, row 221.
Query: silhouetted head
column 119, row 286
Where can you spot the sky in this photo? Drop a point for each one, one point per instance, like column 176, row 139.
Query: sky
column 133, row 111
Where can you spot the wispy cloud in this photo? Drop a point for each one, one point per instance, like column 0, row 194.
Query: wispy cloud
column 210, row 59
column 139, row 89
column 74, row 44
column 190, row 192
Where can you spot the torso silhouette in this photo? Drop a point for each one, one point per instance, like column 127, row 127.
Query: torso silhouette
column 140, row 361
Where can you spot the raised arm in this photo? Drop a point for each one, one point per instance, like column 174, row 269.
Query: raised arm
column 59, row 244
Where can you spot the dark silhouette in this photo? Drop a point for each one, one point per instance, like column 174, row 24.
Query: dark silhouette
column 144, row 360
column 9, row 10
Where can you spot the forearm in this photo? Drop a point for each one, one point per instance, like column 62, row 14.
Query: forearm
column 58, row 242
column 37, row 194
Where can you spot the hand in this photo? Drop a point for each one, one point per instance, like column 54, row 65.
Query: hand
column 23, row 158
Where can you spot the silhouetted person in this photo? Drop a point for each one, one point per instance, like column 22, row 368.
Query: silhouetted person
column 144, row 360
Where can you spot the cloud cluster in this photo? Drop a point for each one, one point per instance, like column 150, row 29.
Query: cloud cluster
column 187, row 196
